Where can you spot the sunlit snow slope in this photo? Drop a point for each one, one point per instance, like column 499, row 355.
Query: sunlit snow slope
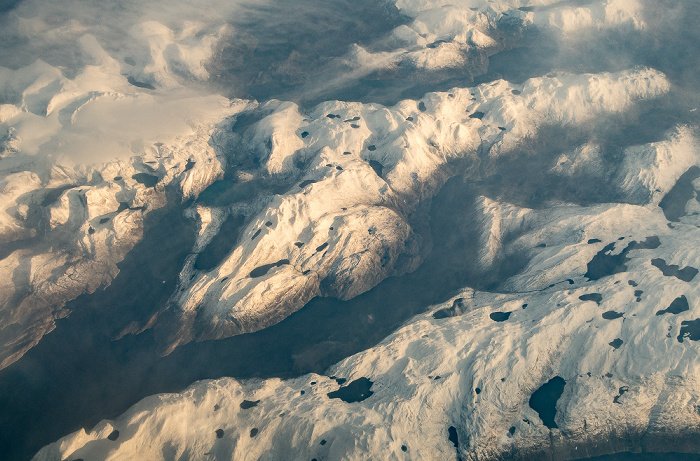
column 306, row 145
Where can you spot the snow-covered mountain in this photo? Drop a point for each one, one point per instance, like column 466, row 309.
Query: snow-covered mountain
column 306, row 146
column 606, row 309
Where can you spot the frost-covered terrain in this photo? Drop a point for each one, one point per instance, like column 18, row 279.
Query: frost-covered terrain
column 607, row 304
column 286, row 152
column 365, row 171
column 93, row 139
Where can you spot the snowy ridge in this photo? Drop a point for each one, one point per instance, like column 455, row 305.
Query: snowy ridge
column 122, row 105
column 596, row 230
column 366, row 169
column 473, row 364
column 83, row 161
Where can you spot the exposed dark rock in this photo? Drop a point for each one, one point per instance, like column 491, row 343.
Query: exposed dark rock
column 499, row 316
column 671, row 270
column 673, row 203
column 678, row 305
column 246, row 404
column 689, row 329
column 544, row 400
column 452, row 436
column 612, row 315
column 377, row 167
column 356, row 391
column 138, row 84
column 221, row 244
column 596, row 297
column 620, row 392
column 604, row 263
column 262, row 270
column 146, row 179
column 457, row 308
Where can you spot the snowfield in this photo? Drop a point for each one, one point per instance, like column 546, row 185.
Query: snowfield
column 314, row 176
